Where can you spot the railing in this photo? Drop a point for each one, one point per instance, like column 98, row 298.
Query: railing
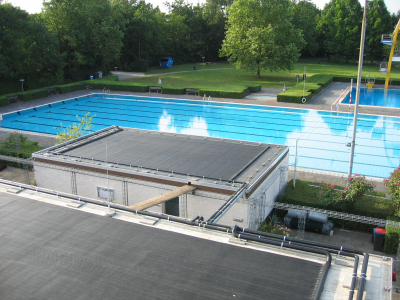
column 337, row 102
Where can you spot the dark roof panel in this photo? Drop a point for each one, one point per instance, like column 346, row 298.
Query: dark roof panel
column 197, row 156
column 51, row 252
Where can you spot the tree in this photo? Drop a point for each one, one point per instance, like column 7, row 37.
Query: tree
column 340, row 24
column 378, row 23
column 266, row 40
column 306, row 14
column 27, row 50
column 89, row 33
column 75, row 130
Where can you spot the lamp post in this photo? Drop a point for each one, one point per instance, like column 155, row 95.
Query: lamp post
column 284, row 86
column 22, row 81
column 359, row 76
column 203, row 57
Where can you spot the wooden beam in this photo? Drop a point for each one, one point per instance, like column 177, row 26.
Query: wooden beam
column 162, row 198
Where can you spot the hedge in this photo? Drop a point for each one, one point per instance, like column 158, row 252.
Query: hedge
column 392, row 238
column 222, row 94
column 293, row 96
column 172, row 90
column 119, row 86
column 255, row 88
column 70, row 87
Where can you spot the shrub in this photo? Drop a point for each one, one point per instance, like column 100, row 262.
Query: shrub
column 255, row 88
column 392, row 238
column 119, row 86
column 33, row 94
column 344, row 200
column 71, row 87
column 222, row 94
column 393, row 188
column 4, row 101
column 173, row 91
column 293, row 96
column 271, row 226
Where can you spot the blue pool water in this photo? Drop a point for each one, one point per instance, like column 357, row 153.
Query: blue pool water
column 375, row 97
column 322, row 135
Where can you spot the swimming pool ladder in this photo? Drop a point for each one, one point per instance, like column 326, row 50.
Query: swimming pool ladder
column 106, row 92
column 206, row 101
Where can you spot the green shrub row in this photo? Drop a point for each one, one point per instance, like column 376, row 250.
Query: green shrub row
column 222, row 94
column 293, row 96
column 255, row 88
column 392, row 238
column 119, row 86
column 173, row 91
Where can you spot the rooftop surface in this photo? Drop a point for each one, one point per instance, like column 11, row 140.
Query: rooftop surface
column 53, row 252
column 198, row 156
column 165, row 153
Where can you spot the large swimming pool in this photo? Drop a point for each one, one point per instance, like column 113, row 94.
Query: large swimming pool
column 375, row 97
column 321, row 135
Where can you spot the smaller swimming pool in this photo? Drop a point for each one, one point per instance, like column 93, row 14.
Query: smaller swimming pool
column 375, row 97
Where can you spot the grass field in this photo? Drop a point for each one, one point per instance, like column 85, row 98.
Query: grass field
column 224, row 76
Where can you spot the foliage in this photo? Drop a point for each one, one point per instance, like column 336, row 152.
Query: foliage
column 89, row 33
column 13, row 141
column 28, row 51
column 17, row 146
column 340, row 24
column 346, row 199
column 306, row 14
column 264, row 41
column 273, row 227
column 392, row 238
column 75, row 130
column 378, row 22
column 393, row 188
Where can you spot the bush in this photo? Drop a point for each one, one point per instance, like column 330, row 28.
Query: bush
column 293, row 96
column 346, row 199
column 222, row 94
column 71, row 87
column 33, row 94
column 4, row 101
column 173, row 91
column 255, row 88
column 119, row 86
column 392, row 238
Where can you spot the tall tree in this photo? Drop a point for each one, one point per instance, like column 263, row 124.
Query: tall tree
column 143, row 40
column 306, row 14
column 340, row 24
column 378, row 23
column 27, row 50
column 89, row 32
column 265, row 41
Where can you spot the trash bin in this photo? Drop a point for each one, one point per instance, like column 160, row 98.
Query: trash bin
column 297, row 78
column 379, row 239
column 304, row 76
column 194, row 67
column 98, row 74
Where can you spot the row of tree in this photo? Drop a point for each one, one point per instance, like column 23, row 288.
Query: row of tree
column 72, row 38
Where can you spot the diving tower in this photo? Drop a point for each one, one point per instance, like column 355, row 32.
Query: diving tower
column 391, row 40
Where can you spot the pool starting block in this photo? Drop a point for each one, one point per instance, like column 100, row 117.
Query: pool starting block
column 370, row 85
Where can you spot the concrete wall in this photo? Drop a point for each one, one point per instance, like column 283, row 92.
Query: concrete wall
column 190, row 205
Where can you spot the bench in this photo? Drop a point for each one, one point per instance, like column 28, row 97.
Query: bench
column 192, row 91
column 13, row 99
column 155, row 89
column 52, row 91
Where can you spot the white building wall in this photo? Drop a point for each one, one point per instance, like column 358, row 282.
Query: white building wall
column 246, row 212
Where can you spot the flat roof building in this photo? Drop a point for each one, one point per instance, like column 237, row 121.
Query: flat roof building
column 52, row 251
column 229, row 180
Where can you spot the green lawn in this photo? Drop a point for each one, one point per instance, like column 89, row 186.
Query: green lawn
column 224, row 76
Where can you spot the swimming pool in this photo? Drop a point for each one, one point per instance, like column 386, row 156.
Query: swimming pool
column 321, row 135
column 375, row 97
